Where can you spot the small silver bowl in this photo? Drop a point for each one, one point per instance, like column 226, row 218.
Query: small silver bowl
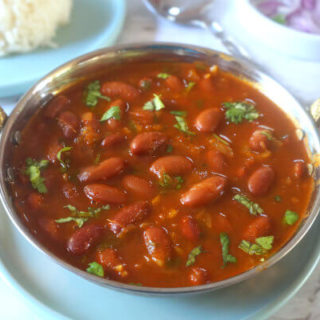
column 93, row 64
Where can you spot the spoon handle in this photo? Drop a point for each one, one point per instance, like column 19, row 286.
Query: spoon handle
column 235, row 49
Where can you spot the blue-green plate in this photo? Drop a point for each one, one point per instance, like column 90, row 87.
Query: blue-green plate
column 55, row 293
column 94, row 24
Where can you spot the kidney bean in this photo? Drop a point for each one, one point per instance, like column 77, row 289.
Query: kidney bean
column 299, row 169
column 204, row 192
column 190, row 228
column 85, row 237
column 104, row 170
column 208, row 120
column 144, row 117
column 113, row 123
column 198, row 276
column 90, row 131
column 129, row 215
column 148, row 143
column 119, row 89
column 111, row 262
column 171, row 165
column 261, row 180
column 259, row 141
column 52, row 151
column 216, row 160
column 259, row 227
column 56, row 105
column 174, row 83
column 158, row 244
column 69, row 124
column 104, row 194
column 139, row 186
column 112, row 140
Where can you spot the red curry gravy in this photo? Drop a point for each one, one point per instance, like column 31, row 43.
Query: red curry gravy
column 163, row 175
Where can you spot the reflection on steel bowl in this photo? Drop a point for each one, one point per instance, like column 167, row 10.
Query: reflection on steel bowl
column 160, row 168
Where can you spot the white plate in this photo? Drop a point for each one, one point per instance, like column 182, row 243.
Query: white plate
column 56, row 293
column 94, row 24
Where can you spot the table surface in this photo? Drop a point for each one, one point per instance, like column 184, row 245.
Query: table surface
column 142, row 26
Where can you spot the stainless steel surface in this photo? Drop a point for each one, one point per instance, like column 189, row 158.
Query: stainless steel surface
column 194, row 13
column 94, row 63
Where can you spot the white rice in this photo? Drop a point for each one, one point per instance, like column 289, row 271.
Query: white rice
column 29, row 24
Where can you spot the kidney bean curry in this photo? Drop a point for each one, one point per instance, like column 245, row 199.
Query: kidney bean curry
column 162, row 174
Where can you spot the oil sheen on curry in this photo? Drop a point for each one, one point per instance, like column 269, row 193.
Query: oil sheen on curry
column 162, row 175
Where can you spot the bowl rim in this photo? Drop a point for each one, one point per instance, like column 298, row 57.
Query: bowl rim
column 284, row 28
column 148, row 46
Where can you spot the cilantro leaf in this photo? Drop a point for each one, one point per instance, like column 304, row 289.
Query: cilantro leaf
column 34, row 172
column 192, row 255
column 261, row 246
column 62, row 163
column 239, row 111
column 78, row 221
column 179, row 113
column 114, row 112
column 190, row 85
column 253, row 207
column 277, row 198
column 96, row 269
column 93, row 94
column 169, row 148
column 183, row 126
column 290, row 217
column 226, row 256
column 280, row 18
column 163, row 75
column 80, row 217
column 155, row 104
column 268, row 134
column 167, row 181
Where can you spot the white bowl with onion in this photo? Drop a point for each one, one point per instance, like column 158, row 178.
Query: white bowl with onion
column 291, row 27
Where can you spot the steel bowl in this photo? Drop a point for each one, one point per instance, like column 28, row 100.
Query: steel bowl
column 93, row 64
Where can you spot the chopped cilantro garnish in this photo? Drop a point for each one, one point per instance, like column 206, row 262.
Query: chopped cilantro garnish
column 145, row 84
column 192, row 255
column 268, row 134
column 155, row 104
column 179, row 113
column 78, row 221
column 190, row 85
column 93, row 94
column 97, row 158
column 165, row 180
column 253, row 207
column 63, row 164
column 221, row 140
column 168, row 182
column 163, row 75
column 180, row 181
column 96, row 269
column 183, row 126
column 80, row 217
column 114, row 112
column 261, row 246
column 34, row 172
column 169, row 148
column 239, row 111
column 290, row 217
column 226, row 256
column 277, row 198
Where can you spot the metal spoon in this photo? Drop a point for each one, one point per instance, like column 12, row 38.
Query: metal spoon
column 193, row 12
